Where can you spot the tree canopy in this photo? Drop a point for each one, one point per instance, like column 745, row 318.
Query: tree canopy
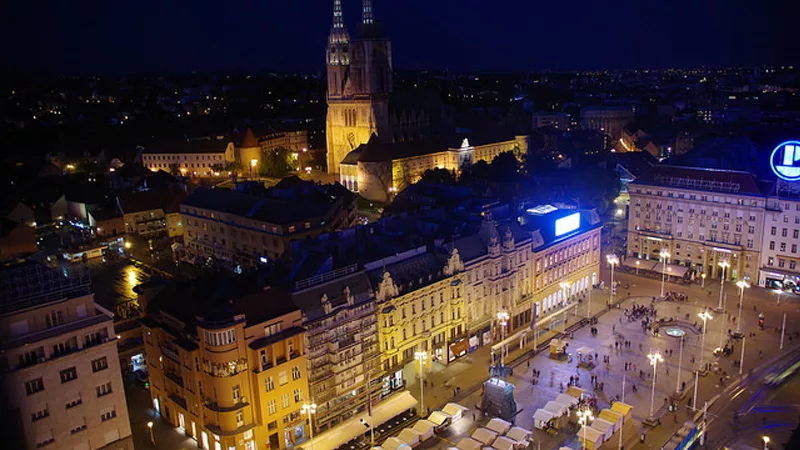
column 277, row 163
column 438, row 176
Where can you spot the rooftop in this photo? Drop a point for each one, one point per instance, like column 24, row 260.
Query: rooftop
column 28, row 284
column 711, row 180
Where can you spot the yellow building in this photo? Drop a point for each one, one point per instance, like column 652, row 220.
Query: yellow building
column 192, row 157
column 420, row 309
column 231, row 373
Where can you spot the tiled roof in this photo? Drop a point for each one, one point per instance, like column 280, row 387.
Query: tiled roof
column 710, row 180
column 188, row 146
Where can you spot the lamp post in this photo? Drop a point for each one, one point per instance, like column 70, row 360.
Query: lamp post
column 664, row 256
column 253, row 164
column 766, row 441
column 585, row 417
column 421, row 357
column 637, row 267
column 742, row 286
column 724, row 265
column 654, row 358
column 703, row 277
column 612, row 260
column 308, row 409
column 680, row 363
column 705, row 316
column 502, row 320
column 152, row 437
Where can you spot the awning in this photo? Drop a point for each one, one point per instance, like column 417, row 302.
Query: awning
column 673, row 270
column 459, row 347
column 353, row 427
column 644, row 264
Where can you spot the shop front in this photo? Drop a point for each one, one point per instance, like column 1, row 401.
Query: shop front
column 294, row 432
column 784, row 282
column 458, row 348
column 482, row 336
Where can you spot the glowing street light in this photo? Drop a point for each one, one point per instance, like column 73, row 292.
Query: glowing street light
column 637, row 267
column 309, row 409
column 421, row 357
column 612, row 260
column 253, row 164
column 703, row 277
column 766, row 441
column 585, row 418
column 664, row 256
column 742, row 286
column 152, row 436
column 654, row 358
column 724, row 265
column 704, row 316
column 502, row 320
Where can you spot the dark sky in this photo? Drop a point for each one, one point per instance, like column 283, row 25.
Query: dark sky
column 152, row 36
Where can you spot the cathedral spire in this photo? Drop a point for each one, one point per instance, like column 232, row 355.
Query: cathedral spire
column 338, row 17
column 366, row 13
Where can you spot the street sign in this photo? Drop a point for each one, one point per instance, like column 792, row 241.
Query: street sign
column 785, row 161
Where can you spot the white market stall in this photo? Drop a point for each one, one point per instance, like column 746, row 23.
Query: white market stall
column 603, row 426
column 556, row 409
column 409, row 436
column 504, row 443
column 394, row 443
column 469, row 444
column 454, row 410
column 425, row 428
column 499, row 426
column 440, row 419
column 566, row 399
column 594, row 438
column 484, row 436
column 611, row 416
column 541, row 417
column 519, row 434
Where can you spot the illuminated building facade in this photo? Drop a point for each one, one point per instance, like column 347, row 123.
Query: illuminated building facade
column 62, row 382
column 228, row 370
column 191, row 158
column 780, row 255
column 608, row 120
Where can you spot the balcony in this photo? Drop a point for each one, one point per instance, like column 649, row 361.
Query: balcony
column 170, row 354
column 175, row 378
column 216, row 407
column 177, row 399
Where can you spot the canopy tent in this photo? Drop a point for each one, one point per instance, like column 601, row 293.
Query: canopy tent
column 644, row 264
column 499, row 426
column 623, row 409
column 611, row 416
column 353, row 427
column 454, row 410
column 519, row 434
column 576, row 392
column 469, row 444
column 484, row 435
column 394, row 443
column 566, row 399
column 439, row 418
column 409, row 436
column 672, row 270
column 555, row 408
column 425, row 428
column 541, row 417
column 594, row 438
column 585, row 351
column 604, row 426
column 504, row 443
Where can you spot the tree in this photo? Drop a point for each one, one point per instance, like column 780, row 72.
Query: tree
column 277, row 163
column 504, row 167
column 438, row 176
column 217, row 167
column 234, row 167
column 477, row 172
column 173, row 169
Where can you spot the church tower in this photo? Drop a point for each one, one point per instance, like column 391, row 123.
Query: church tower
column 359, row 85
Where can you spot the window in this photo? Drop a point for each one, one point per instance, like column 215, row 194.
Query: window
column 41, row 414
column 770, row 261
column 295, row 373
column 68, row 375
column 237, row 394
column 285, row 401
column 34, row 386
column 271, row 407
column 54, row 319
column 283, row 378
column 104, row 389
column 240, row 418
column 773, row 231
column 772, row 245
column 298, row 395
column 275, row 328
column 108, row 414
column 100, row 364
column 217, row 338
column 270, row 383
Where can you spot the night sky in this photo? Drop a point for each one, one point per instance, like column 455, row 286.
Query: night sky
column 174, row 36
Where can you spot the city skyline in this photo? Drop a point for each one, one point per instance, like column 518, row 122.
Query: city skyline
column 459, row 37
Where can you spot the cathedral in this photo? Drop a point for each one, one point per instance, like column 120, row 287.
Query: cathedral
column 379, row 141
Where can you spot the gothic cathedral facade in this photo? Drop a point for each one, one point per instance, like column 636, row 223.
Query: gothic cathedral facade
column 359, row 73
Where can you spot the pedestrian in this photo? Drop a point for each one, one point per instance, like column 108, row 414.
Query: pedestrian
column 473, row 416
column 529, row 364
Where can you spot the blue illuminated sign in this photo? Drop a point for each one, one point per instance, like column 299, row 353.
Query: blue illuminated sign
column 566, row 224
column 785, row 161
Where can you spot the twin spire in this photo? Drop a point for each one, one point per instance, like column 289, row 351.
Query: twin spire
column 338, row 17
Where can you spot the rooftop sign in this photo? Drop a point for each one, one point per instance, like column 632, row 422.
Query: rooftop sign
column 785, row 161
column 569, row 223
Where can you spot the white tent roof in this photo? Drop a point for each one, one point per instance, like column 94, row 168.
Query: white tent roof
column 409, row 436
column 555, row 408
column 394, row 443
column 424, row 425
column 585, row 351
column 540, row 416
column 567, row 399
column 592, row 435
column 604, row 426
column 469, row 444
column 519, row 434
column 454, row 409
column 499, row 426
column 484, row 435
column 503, row 443
column 438, row 417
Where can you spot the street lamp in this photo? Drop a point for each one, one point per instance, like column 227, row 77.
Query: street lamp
column 502, row 320
column 766, row 441
column 253, row 164
column 654, row 358
column 421, row 357
column 585, row 417
column 705, row 316
column 152, row 437
column 308, row 409
column 703, row 277
column 664, row 256
column 637, row 267
column 612, row 260
column 742, row 286
column 724, row 265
